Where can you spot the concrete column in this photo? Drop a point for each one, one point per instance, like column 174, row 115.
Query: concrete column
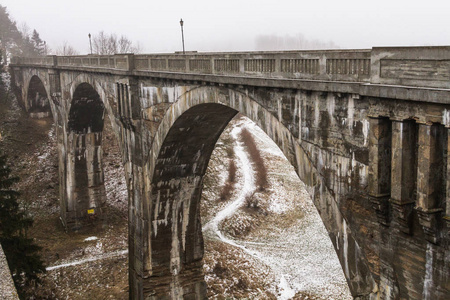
column 176, row 240
column 138, row 246
column 447, row 184
column 135, row 103
column 84, row 198
column 430, row 178
column 379, row 185
column 403, row 174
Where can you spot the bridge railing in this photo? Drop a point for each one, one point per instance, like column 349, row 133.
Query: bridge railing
column 119, row 62
column 408, row 66
column 44, row 60
column 352, row 65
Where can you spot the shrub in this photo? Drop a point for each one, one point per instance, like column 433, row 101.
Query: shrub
column 251, row 201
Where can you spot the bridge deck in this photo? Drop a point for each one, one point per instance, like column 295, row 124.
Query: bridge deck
column 408, row 73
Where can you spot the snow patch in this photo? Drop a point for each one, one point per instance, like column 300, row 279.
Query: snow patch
column 91, row 259
column 286, row 292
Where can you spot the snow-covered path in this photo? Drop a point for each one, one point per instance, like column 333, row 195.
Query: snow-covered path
column 301, row 257
column 247, row 187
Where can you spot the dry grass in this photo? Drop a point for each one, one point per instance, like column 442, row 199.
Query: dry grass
column 251, row 201
column 229, row 184
column 255, row 156
column 232, row 275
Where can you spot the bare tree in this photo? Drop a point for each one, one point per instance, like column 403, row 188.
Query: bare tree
column 108, row 44
column 66, row 50
column 124, row 45
column 25, row 30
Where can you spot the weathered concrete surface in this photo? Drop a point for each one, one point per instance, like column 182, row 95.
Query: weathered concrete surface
column 7, row 288
column 372, row 153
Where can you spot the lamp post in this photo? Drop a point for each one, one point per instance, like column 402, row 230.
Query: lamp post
column 90, row 43
column 182, row 33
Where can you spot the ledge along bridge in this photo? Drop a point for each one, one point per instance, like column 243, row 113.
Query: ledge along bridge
column 367, row 131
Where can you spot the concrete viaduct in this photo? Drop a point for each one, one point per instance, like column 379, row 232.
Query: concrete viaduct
column 368, row 131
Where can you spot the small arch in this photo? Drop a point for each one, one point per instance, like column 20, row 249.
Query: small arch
column 86, row 111
column 86, row 195
column 37, row 99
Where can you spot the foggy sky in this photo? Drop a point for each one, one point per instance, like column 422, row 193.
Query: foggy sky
column 232, row 25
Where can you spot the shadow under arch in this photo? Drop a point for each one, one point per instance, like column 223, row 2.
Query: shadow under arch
column 37, row 102
column 175, row 197
column 176, row 168
column 85, row 197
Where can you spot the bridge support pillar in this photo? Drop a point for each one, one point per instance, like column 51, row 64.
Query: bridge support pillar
column 85, row 197
column 430, row 178
column 403, row 176
column 380, row 167
column 176, row 241
column 447, row 204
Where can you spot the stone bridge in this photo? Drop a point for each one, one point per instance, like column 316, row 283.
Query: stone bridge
column 366, row 130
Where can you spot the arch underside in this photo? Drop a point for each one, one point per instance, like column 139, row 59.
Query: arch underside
column 175, row 199
column 37, row 102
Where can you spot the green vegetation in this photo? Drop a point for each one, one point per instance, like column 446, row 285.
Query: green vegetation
column 13, row 42
column 3, row 87
column 21, row 252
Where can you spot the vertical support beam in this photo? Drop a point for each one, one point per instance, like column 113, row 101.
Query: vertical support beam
column 430, row 178
column 63, row 165
column 138, row 247
column 380, row 141
column 447, row 184
column 55, row 88
column 124, row 100
column 135, row 157
column 133, row 96
column 403, row 174
column 119, row 99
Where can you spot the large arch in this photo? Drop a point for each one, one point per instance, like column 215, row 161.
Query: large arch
column 180, row 153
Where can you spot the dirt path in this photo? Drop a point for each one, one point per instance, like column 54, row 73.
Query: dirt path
column 246, row 187
column 300, row 256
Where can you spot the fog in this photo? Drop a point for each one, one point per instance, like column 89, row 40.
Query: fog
column 234, row 25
